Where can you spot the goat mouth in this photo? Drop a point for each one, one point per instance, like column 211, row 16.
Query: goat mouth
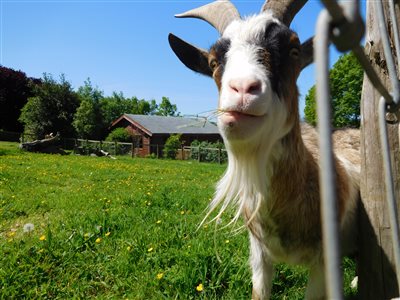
column 231, row 118
column 239, row 114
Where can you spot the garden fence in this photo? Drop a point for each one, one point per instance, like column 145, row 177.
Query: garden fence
column 87, row 147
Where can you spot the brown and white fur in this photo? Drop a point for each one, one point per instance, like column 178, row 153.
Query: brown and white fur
column 272, row 174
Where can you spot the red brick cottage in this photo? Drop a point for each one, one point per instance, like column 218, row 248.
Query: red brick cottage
column 151, row 132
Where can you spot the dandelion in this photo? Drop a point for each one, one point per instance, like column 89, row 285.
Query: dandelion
column 28, row 227
column 129, row 248
column 159, row 276
column 11, row 234
column 150, row 249
column 158, row 222
column 200, row 287
column 226, row 241
column 108, row 234
column 86, row 235
column 42, row 237
column 98, row 240
column 182, row 212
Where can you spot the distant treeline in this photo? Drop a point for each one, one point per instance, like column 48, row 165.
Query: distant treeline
column 42, row 106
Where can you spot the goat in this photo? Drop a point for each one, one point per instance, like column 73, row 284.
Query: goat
column 272, row 174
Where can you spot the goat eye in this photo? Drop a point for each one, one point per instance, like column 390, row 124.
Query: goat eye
column 213, row 64
column 294, row 53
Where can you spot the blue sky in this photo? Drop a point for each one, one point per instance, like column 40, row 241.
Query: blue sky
column 122, row 45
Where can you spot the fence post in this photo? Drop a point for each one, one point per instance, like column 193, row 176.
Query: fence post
column 183, row 152
column 199, row 156
column 377, row 277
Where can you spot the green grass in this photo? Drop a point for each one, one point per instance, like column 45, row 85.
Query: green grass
column 119, row 229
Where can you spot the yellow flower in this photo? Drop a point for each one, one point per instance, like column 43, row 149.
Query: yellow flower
column 98, row 240
column 42, row 238
column 150, row 249
column 159, row 276
column 108, row 233
column 182, row 212
column 200, row 287
column 226, row 241
column 158, row 222
column 11, row 234
column 129, row 248
column 86, row 235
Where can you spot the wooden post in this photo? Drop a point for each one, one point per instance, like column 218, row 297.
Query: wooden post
column 377, row 278
column 199, row 158
column 183, row 152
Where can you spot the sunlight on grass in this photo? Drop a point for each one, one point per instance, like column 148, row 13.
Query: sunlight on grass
column 120, row 229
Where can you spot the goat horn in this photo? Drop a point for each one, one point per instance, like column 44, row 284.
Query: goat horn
column 218, row 14
column 284, row 10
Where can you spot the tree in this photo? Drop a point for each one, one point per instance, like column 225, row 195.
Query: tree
column 172, row 145
column 346, row 78
column 88, row 120
column 166, row 108
column 114, row 106
column 15, row 89
column 119, row 135
column 51, row 109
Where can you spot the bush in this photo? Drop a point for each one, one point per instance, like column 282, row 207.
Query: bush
column 119, row 135
column 203, row 149
column 172, row 145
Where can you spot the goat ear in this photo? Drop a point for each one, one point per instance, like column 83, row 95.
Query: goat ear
column 307, row 52
column 192, row 57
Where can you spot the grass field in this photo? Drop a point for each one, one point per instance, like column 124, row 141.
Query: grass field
column 120, row 229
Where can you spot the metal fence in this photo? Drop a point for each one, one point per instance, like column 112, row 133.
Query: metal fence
column 342, row 24
column 88, row 147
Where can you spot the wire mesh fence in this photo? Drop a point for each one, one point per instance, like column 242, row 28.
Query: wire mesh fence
column 342, row 24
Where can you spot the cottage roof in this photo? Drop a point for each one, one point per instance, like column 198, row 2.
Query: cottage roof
column 171, row 125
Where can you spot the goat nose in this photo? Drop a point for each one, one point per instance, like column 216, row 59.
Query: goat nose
column 245, row 86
